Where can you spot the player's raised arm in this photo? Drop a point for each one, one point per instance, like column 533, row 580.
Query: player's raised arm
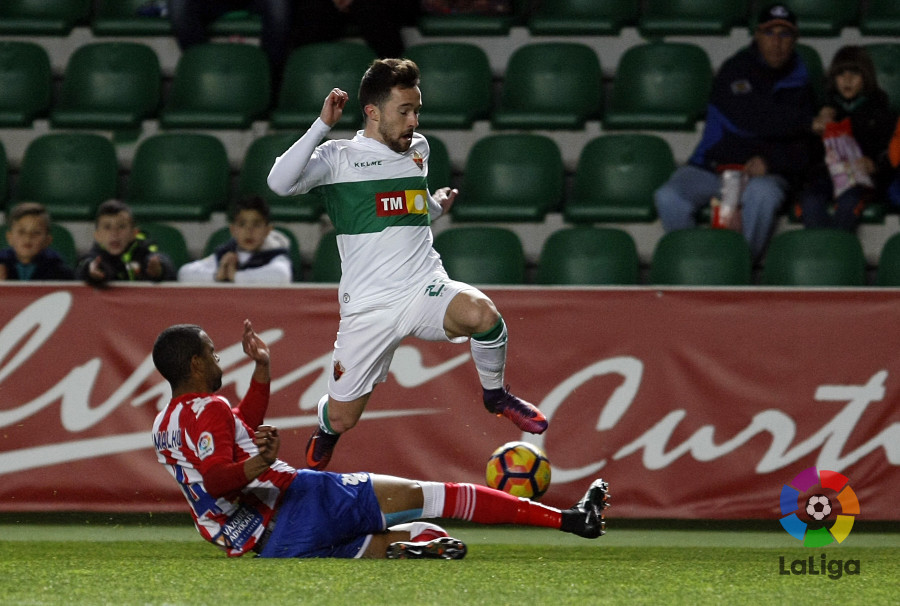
column 333, row 108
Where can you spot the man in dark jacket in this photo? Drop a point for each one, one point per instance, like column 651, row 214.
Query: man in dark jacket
column 758, row 121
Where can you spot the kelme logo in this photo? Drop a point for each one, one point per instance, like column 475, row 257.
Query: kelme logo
column 815, row 496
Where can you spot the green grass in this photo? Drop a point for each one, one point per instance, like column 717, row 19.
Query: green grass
column 161, row 563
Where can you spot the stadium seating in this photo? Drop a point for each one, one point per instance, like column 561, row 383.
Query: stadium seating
column 42, row 17
column 824, row 17
column 889, row 262
column 311, row 72
column 550, row 85
column 440, row 172
column 453, row 66
column 327, row 260
column 880, row 18
column 69, row 173
column 691, row 17
column 26, row 83
column 122, row 18
column 258, row 161
column 472, row 24
column 218, row 85
column 510, row 177
column 582, row 17
column 111, row 85
column 4, row 177
column 659, row 86
column 588, row 255
column 170, row 241
column 616, row 176
column 482, row 255
column 886, row 57
column 237, row 23
column 178, row 177
column 814, row 257
column 701, row 256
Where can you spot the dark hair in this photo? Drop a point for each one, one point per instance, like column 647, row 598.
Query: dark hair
column 113, row 207
column 257, row 203
column 29, row 209
column 382, row 76
column 173, row 350
column 856, row 59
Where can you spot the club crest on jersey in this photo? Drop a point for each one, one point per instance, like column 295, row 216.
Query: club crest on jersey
column 407, row 202
column 419, row 159
column 205, row 446
column 339, row 370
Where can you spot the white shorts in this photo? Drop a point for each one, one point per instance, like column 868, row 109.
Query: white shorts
column 366, row 341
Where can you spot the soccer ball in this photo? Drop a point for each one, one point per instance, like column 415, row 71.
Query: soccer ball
column 818, row 507
column 519, row 468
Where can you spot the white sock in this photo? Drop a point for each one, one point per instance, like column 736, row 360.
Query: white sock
column 490, row 359
column 433, row 496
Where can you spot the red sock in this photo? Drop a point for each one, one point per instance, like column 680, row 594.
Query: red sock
column 489, row 506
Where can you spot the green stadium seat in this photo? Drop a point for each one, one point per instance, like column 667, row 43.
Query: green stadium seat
column 660, row 86
column 482, row 255
column 889, row 262
column 616, row 176
column 589, row 255
column 26, row 83
column 582, row 17
column 823, row 18
column 258, row 161
column 110, row 85
column 886, row 57
column 702, row 256
column 42, row 17
column 170, row 241
column 237, row 23
column 814, row 257
column 880, row 18
column 69, row 173
column 218, row 86
column 550, row 85
column 178, row 177
column 691, row 17
column 123, row 18
column 453, row 66
column 510, row 177
column 460, row 24
column 440, row 171
column 327, row 259
column 4, row 177
column 311, row 72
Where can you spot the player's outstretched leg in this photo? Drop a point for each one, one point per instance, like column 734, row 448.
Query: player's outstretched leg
column 441, row 548
column 321, row 444
column 585, row 518
column 525, row 415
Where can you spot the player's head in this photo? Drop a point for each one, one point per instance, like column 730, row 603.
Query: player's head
column 184, row 353
column 390, row 99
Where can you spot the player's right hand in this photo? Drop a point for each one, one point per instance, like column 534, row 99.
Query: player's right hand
column 333, row 108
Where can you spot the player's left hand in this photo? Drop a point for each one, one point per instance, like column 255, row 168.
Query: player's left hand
column 154, row 267
column 267, row 441
column 445, row 197
column 254, row 347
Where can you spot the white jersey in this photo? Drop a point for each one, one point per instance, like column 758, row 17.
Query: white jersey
column 379, row 203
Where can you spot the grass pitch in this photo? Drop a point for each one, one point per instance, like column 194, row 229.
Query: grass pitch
column 98, row 561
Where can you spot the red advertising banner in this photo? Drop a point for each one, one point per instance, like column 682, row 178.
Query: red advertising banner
column 691, row 403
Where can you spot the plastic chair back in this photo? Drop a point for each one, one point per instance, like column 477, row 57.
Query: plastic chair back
column 327, row 260
column 815, row 257
column 170, row 241
column 42, row 17
column 582, row 17
column 889, row 262
column 702, row 257
column 482, row 255
column 26, row 83
column 691, row 17
column 589, row 255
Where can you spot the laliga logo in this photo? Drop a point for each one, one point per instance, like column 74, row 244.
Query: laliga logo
column 817, row 507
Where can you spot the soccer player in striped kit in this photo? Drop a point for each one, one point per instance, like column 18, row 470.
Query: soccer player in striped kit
column 243, row 498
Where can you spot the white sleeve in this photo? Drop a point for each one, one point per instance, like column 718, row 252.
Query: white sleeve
column 293, row 173
column 203, row 270
column 276, row 271
column 434, row 208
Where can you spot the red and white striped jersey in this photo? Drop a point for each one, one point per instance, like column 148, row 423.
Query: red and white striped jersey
column 196, row 436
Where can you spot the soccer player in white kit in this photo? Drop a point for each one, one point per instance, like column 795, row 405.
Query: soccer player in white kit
column 393, row 284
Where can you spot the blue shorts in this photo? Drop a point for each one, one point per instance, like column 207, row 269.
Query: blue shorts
column 325, row 515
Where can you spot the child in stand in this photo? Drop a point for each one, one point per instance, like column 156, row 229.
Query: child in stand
column 255, row 254
column 121, row 251
column 853, row 94
column 29, row 256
